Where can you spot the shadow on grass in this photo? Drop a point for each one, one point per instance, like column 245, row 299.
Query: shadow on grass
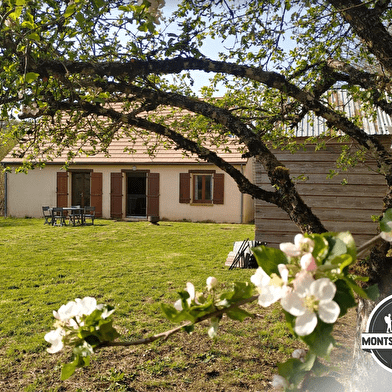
column 10, row 222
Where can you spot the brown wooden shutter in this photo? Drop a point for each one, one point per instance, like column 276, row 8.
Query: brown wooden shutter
column 219, row 188
column 185, row 188
column 62, row 189
column 96, row 193
column 153, row 195
column 116, row 195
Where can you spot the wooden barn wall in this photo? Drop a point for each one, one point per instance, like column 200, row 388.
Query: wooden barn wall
column 340, row 207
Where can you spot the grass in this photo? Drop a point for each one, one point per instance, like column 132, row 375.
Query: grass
column 135, row 267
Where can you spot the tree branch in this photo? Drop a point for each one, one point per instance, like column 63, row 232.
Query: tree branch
column 165, row 335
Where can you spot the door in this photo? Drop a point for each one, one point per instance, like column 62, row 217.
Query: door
column 136, row 194
column 81, row 189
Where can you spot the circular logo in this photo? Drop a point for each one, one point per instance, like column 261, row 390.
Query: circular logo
column 378, row 336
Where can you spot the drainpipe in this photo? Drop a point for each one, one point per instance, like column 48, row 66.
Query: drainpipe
column 5, row 192
column 242, row 199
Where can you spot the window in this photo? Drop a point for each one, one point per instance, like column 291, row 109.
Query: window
column 201, row 187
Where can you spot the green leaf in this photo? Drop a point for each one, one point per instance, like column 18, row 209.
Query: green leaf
column 238, row 314
column 189, row 328
column 241, row 290
column 107, row 332
column 320, row 341
column 344, row 297
column 31, row 77
column 387, row 217
column 348, row 239
column 69, row 10
column 176, row 316
column 336, row 247
column 80, row 18
column 34, row 37
column 373, row 292
column 359, row 290
column 269, row 258
column 68, row 370
column 320, row 250
column 294, row 370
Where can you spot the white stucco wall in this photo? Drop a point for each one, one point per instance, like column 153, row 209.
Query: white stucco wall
column 27, row 193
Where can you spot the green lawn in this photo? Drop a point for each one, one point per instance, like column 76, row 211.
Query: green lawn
column 134, row 266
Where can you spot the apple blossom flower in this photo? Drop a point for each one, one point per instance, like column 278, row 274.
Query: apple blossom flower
column 271, row 290
column 71, row 313
column 211, row 282
column 190, row 288
column 55, row 338
column 301, row 245
column 279, row 382
column 308, row 297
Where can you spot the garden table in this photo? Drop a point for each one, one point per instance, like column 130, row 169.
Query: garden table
column 75, row 214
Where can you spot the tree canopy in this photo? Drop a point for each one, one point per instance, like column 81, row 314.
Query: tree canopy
column 80, row 72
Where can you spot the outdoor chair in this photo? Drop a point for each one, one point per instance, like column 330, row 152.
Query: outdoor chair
column 75, row 216
column 47, row 215
column 58, row 217
column 89, row 213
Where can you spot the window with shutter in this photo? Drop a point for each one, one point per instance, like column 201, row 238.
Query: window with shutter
column 202, row 187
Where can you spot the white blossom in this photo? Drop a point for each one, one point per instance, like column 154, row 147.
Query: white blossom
column 211, row 282
column 300, row 354
column 308, row 298
column 301, row 245
column 271, row 290
column 55, row 338
column 190, row 288
column 308, row 262
column 279, row 383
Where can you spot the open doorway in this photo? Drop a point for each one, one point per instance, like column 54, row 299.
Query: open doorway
column 136, row 194
column 81, row 189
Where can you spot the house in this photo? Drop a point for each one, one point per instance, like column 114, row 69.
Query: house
column 168, row 185
column 353, row 206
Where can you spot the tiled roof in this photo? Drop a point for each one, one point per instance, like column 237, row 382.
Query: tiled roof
column 139, row 155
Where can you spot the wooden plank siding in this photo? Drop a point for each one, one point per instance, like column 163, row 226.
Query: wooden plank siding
column 340, row 207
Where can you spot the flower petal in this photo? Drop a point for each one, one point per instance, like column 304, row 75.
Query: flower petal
column 178, row 305
column 55, row 338
column 211, row 282
column 308, row 262
column 323, row 289
column 303, row 243
column 328, row 311
column 87, row 305
column 269, row 295
column 290, row 249
column 260, row 278
column 190, row 288
column 302, row 283
column 293, row 304
column 284, row 272
column 305, row 324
